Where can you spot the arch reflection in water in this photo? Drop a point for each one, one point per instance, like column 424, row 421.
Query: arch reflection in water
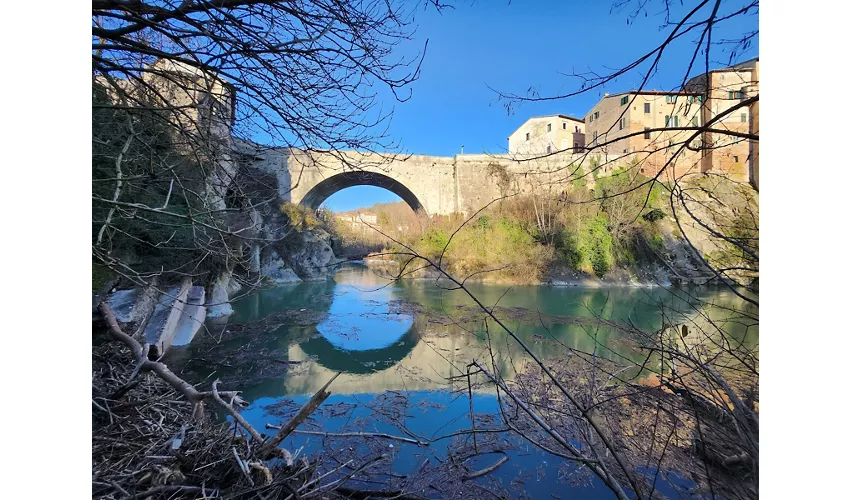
column 359, row 318
column 360, row 334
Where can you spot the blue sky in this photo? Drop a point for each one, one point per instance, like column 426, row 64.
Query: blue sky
column 512, row 47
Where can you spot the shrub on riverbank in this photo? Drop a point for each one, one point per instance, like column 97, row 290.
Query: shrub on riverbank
column 620, row 222
column 588, row 246
column 524, row 237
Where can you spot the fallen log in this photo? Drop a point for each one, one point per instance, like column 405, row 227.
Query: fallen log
column 286, row 429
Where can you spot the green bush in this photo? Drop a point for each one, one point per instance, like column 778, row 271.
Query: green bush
column 602, row 254
column 588, row 247
column 433, row 242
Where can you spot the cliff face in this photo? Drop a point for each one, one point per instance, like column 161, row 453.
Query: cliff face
column 308, row 253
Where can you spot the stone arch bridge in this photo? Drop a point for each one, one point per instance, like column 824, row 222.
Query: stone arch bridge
column 431, row 185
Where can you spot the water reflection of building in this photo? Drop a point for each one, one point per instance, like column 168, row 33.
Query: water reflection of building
column 378, row 350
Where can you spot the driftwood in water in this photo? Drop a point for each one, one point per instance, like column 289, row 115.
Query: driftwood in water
column 355, row 434
column 486, row 470
column 286, row 429
column 140, row 354
column 269, row 448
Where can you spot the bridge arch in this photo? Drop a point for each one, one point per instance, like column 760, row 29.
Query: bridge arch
column 337, row 182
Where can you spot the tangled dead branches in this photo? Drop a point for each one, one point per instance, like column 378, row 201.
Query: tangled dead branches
column 148, row 441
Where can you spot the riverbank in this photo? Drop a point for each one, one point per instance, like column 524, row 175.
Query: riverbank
column 620, row 233
column 641, row 277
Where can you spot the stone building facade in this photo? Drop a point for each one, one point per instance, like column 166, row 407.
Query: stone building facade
column 724, row 89
column 644, row 127
column 548, row 134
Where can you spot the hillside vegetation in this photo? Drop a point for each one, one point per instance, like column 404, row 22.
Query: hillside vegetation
column 612, row 230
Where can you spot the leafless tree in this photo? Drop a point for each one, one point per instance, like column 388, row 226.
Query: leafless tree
column 181, row 87
column 684, row 150
column 690, row 398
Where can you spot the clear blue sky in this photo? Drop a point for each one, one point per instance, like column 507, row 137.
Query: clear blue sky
column 512, row 47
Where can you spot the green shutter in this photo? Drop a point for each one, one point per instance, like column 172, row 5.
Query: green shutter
column 667, row 120
column 624, row 100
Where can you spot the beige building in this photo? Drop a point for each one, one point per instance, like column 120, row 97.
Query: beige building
column 547, row 134
column 358, row 221
column 632, row 125
column 723, row 89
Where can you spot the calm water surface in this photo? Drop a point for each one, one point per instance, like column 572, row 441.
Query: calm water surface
column 404, row 358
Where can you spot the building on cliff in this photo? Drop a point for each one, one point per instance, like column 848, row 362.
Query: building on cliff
column 548, row 134
column 724, row 89
column 650, row 127
column 644, row 126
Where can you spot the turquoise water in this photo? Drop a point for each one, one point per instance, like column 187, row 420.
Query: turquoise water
column 398, row 360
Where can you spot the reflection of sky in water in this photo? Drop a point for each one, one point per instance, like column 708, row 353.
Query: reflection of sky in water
column 359, row 319
column 380, row 353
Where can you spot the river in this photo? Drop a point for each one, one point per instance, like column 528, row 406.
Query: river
column 403, row 347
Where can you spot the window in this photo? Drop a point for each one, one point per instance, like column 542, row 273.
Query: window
column 549, row 128
column 695, row 121
column 591, row 118
column 669, row 98
column 595, row 135
column 622, row 123
column 743, row 118
column 577, row 130
column 666, row 120
column 646, row 133
column 624, row 100
column 625, row 150
column 736, row 94
column 676, row 121
column 565, row 125
column 646, row 107
column 596, row 115
column 548, row 149
column 699, row 98
column 575, row 146
column 527, row 136
column 735, row 159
